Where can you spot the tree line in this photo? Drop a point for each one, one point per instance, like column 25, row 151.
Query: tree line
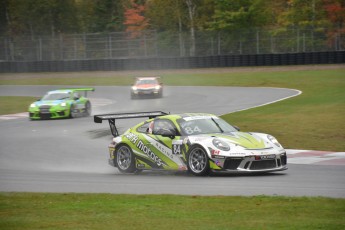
column 51, row 17
column 55, row 17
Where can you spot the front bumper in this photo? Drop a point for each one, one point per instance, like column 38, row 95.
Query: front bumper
column 254, row 163
column 146, row 92
column 38, row 115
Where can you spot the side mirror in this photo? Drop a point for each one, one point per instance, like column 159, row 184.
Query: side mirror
column 236, row 127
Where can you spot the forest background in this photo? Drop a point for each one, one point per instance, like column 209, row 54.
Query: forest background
column 52, row 17
column 313, row 25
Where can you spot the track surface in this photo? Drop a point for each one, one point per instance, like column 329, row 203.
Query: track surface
column 70, row 155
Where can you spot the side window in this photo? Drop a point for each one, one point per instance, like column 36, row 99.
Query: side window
column 76, row 96
column 163, row 126
column 143, row 128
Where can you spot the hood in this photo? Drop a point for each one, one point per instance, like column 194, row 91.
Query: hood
column 146, row 86
column 246, row 140
column 49, row 102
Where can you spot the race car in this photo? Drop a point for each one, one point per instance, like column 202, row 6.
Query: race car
column 147, row 86
column 61, row 103
column 196, row 142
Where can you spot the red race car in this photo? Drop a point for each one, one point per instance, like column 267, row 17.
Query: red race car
column 147, row 86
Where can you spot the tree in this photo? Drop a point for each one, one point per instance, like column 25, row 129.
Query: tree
column 239, row 14
column 104, row 15
column 191, row 12
column 42, row 17
column 4, row 20
column 335, row 11
column 135, row 20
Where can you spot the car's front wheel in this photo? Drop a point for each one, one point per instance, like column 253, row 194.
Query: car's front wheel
column 198, row 162
column 125, row 159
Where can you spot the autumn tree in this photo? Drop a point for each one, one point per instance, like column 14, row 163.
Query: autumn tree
column 135, row 20
column 335, row 11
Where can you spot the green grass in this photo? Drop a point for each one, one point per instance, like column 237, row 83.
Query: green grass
column 314, row 120
column 106, row 211
column 10, row 105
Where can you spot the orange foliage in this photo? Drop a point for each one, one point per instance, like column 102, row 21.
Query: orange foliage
column 336, row 14
column 335, row 11
column 134, row 19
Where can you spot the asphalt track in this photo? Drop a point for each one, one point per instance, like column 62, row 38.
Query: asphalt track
column 70, row 155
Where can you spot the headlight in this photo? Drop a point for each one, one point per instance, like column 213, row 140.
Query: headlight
column 273, row 140
column 219, row 144
column 134, row 88
column 33, row 105
column 157, row 87
column 63, row 104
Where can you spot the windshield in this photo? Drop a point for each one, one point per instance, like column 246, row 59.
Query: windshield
column 56, row 96
column 147, row 82
column 204, row 125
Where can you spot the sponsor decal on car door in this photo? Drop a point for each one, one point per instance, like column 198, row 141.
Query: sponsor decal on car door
column 172, row 158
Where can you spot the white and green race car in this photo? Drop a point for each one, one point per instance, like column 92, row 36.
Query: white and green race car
column 197, row 142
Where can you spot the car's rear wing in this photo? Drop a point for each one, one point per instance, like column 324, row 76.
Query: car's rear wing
column 112, row 117
column 85, row 90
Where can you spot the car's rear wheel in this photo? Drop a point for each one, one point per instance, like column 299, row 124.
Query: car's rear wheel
column 73, row 112
column 198, row 162
column 88, row 109
column 125, row 159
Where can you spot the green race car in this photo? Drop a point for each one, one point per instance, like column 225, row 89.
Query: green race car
column 61, row 103
column 196, row 142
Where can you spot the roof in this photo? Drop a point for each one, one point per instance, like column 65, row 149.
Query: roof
column 147, row 78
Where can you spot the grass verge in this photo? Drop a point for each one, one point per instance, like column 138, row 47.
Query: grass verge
column 10, row 104
column 106, row 211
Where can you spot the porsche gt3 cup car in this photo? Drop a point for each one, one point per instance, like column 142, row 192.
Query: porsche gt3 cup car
column 62, row 103
column 196, row 142
column 147, row 86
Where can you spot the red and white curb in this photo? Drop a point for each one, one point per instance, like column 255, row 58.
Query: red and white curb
column 14, row 116
column 314, row 157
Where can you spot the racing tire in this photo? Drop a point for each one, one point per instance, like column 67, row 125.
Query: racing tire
column 125, row 159
column 197, row 161
column 160, row 94
column 88, row 109
column 71, row 113
column 133, row 96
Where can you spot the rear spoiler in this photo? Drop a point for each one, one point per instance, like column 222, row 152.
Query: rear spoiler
column 112, row 117
column 81, row 89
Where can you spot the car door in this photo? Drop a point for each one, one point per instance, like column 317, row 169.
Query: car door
column 79, row 102
column 162, row 140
